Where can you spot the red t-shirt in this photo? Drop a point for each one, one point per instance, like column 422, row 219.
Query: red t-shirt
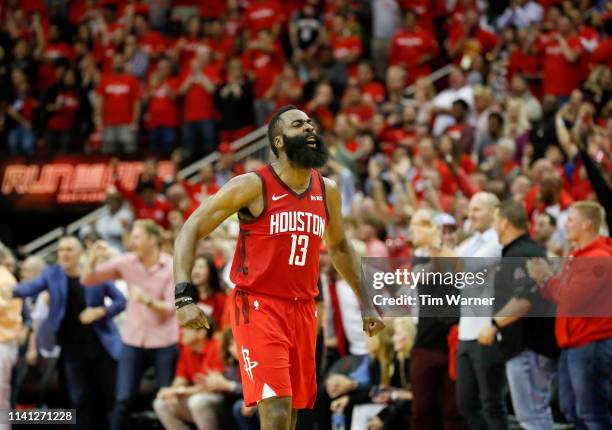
column 153, row 42
column 76, row 11
column 163, row 110
column 157, row 212
column 479, row 43
column 214, row 307
column 234, row 25
column 589, row 39
column 467, row 164
column 47, row 72
column 447, row 182
column 375, row 91
column 560, row 76
column 30, row 6
column 525, row 64
column 343, row 46
column 198, row 191
column 324, row 115
column 407, row 47
column 547, row 3
column 193, row 206
column 222, row 47
column 63, row 118
column 188, row 50
column 262, row 16
column 390, row 138
column 578, row 186
column 25, row 106
column 213, row 8
column 266, row 66
column 119, row 93
column 603, row 53
column 191, row 363
column 283, row 99
column 198, row 104
column 424, row 10
column 360, row 114
column 103, row 54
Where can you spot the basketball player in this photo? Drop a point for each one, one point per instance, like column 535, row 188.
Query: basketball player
column 285, row 209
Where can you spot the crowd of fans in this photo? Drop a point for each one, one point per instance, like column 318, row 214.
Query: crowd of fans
column 523, row 118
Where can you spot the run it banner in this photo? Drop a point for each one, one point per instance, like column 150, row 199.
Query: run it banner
column 67, row 181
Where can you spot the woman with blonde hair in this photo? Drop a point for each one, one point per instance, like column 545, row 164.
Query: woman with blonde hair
column 599, row 85
column 399, row 394
column 517, row 121
column 424, row 94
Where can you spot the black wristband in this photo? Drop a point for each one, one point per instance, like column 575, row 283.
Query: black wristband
column 182, row 301
column 495, row 324
column 185, row 293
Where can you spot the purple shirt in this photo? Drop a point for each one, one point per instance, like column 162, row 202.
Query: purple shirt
column 144, row 327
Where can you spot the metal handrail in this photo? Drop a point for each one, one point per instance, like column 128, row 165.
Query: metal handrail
column 442, row 72
column 242, row 148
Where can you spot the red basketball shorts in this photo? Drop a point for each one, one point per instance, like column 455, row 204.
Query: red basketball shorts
column 276, row 341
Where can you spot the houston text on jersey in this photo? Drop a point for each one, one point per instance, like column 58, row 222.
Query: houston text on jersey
column 297, row 221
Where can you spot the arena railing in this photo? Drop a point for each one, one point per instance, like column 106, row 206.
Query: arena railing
column 252, row 145
column 442, row 72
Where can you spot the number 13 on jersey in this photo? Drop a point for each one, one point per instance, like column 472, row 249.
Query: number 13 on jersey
column 299, row 247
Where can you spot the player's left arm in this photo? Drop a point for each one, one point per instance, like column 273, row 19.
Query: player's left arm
column 343, row 257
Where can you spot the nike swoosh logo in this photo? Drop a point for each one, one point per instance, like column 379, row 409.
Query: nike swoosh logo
column 275, row 197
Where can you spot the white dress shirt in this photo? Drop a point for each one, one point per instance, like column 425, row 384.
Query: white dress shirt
column 487, row 246
column 521, row 16
column 350, row 315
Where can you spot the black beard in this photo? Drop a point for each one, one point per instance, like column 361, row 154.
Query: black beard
column 302, row 155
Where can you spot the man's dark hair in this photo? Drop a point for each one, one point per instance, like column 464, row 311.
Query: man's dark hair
column 365, row 62
column 462, row 103
column 551, row 219
column 607, row 26
column 410, row 12
column 145, row 185
column 515, row 213
column 72, row 236
column 497, row 116
column 275, row 127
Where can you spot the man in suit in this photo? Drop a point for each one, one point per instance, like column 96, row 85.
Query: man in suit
column 84, row 329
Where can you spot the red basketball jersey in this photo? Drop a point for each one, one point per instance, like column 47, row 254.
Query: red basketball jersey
column 278, row 252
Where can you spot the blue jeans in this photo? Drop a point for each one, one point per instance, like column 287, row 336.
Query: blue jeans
column 132, row 364
column 21, row 141
column 245, row 423
column 530, row 377
column 200, row 137
column 163, row 139
column 584, row 383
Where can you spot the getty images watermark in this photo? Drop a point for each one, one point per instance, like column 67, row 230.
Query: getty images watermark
column 427, row 278
column 480, row 287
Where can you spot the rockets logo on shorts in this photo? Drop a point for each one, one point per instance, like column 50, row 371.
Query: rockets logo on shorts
column 248, row 364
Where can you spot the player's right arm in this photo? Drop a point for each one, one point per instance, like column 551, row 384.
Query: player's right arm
column 242, row 191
